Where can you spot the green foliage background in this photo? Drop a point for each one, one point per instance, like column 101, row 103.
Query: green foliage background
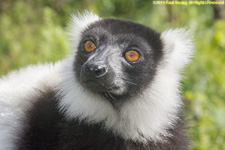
column 35, row 31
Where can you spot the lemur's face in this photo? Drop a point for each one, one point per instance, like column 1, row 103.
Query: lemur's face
column 117, row 58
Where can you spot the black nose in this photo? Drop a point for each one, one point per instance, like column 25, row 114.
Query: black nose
column 94, row 70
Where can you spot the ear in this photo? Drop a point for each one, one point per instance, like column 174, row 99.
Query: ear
column 177, row 49
column 79, row 22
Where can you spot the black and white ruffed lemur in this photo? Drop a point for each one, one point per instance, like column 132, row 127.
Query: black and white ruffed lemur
column 117, row 90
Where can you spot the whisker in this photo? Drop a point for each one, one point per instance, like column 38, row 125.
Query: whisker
column 108, row 95
column 128, row 81
column 157, row 94
column 82, row 59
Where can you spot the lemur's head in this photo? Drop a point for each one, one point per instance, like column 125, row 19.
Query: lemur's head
column 117, row 58
column 124, row 75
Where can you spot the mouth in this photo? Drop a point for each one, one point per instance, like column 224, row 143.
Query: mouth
column 99, row 87
column 95, row 86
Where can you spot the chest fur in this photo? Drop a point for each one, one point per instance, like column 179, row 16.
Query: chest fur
column 47, row 128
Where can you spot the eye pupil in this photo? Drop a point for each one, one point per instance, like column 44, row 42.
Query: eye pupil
column 132, row 55
column 89, row 46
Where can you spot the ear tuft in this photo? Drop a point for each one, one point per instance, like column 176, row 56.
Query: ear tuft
column 178, row 47
column 79, row 22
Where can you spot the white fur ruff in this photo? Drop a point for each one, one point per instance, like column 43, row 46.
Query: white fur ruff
column 15, row 89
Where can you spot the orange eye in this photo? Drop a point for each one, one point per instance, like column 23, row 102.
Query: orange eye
column 132, row 55
column 89, row 46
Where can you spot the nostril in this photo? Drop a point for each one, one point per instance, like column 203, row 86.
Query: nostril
column 100, row 71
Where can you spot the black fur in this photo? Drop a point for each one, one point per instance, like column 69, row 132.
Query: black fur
column 108, row 34
column 48, row 129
